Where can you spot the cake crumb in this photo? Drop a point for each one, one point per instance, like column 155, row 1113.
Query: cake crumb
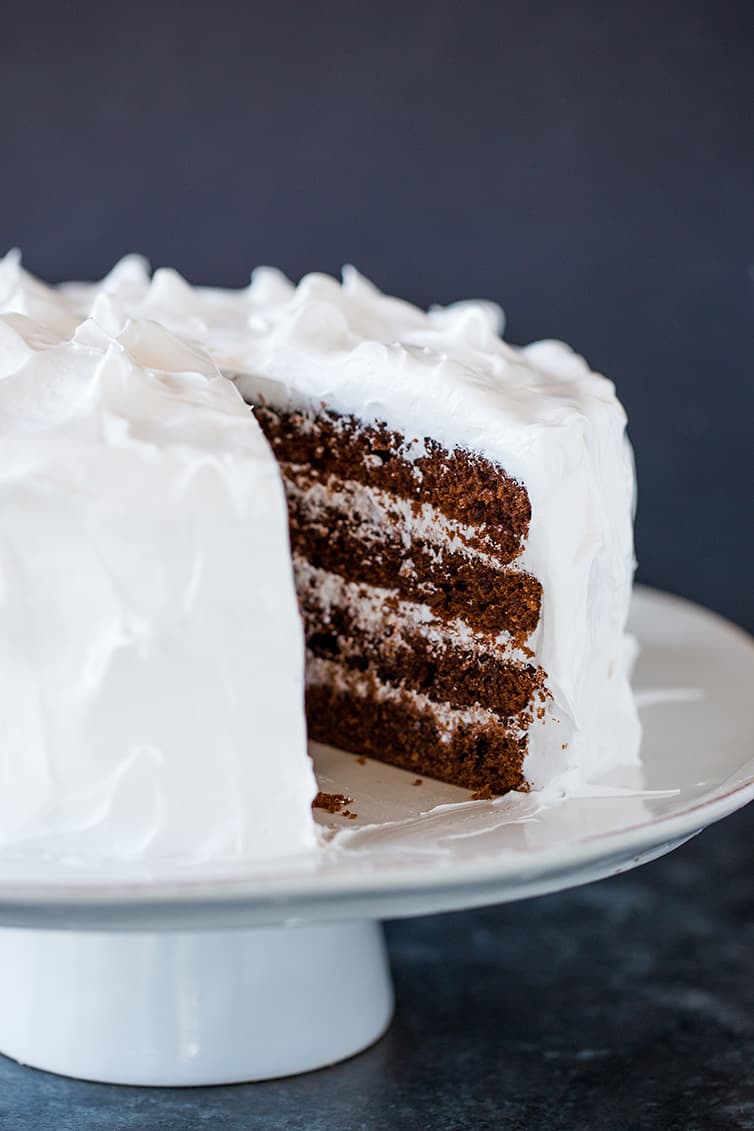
column 564, row 746
column 484, row 794
column 331, row 802
column 361, row 760
column 417, row 781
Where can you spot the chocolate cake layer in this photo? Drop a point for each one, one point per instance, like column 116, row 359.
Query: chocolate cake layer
column 503, row 689
column 406, row 656
column 380, row 514
column 488, row 598
column 474, row 756
column 466, row 486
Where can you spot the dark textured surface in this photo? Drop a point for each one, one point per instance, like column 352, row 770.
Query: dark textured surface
column 588, row 165
column 625, row 1005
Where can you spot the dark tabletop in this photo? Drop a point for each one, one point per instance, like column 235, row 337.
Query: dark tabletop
column 621, row 1005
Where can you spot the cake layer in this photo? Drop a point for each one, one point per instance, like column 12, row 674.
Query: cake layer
column 467, row 487
column 488, row 598
column 363, row 628
column 381, row 514
column 470, row 748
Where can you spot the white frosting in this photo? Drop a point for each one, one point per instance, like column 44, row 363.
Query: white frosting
column 151, row 656
column 539, row 411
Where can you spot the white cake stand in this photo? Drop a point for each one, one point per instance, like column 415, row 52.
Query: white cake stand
column 214, row 977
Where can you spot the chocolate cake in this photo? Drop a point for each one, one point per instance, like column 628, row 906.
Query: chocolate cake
column 238, row 520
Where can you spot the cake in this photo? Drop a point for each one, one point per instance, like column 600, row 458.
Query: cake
column 460, row 517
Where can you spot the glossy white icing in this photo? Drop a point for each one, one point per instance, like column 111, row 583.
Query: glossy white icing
column 151, row 657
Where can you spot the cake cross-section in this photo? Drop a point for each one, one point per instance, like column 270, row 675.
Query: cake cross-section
column 416, row 613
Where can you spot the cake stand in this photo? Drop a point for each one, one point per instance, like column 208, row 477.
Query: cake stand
column 213, row 976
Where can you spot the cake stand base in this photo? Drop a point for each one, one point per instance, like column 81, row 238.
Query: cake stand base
column 190, row 1008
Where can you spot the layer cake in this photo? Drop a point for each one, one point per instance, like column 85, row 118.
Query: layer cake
column 296, row 489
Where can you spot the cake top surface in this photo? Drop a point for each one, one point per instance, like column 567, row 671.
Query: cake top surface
column 444, row 372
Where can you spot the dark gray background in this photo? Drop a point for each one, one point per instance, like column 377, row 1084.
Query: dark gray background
column 589, row 165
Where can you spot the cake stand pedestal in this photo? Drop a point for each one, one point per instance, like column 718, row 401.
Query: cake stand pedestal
column 188, row 1008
